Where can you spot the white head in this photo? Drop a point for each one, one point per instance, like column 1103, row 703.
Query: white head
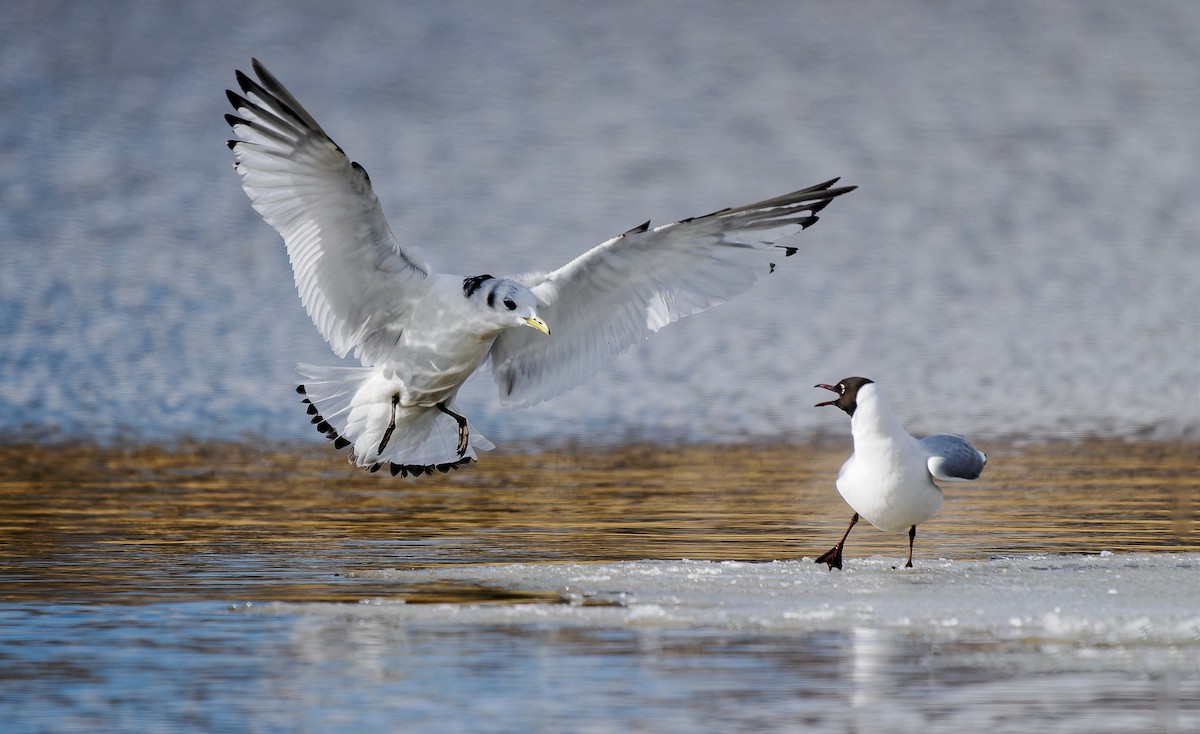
column 506, row 302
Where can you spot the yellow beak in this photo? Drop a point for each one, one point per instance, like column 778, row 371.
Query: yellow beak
column 538, row 324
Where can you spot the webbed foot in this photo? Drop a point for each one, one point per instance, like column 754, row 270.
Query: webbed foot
column 831, row 558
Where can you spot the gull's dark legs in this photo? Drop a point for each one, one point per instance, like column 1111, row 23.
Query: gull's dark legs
column 387, row 435
column 912, row 535
column 833, row 556
column 463, row 432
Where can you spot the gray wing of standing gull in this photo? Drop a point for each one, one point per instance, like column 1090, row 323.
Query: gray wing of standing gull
column 952, row 459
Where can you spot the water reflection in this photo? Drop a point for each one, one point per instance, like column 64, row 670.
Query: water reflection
column 191, row 667
column 653, row 679
column 144, row 524
column 212, row 588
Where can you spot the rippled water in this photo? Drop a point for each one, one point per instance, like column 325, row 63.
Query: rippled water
column 1019, row 260
column 1020, row 257
column 214, row 588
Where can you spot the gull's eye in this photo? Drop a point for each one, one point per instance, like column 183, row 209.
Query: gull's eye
column 842, row 388
column 510, row 304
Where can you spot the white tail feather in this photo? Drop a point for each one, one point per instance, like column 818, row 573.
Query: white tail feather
column 360, row 407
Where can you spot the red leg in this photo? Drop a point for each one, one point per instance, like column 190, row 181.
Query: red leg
column 833, row 556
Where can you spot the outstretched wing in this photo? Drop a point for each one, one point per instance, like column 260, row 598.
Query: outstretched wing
column 618, row 293
column 353, row 277
column 952, row 459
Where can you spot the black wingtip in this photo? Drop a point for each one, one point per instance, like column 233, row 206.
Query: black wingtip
column 831, row 192
column 644, row 226
column 244, row 81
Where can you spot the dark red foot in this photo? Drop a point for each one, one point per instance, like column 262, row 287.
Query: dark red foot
column 831, row 558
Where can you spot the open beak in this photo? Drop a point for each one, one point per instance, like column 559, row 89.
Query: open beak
column 536, row 323
column 830, row 388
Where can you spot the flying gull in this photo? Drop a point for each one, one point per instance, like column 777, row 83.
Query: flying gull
column 419, row 334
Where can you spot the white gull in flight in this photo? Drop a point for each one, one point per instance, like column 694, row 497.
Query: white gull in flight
column 889, row 478
column 419, row 334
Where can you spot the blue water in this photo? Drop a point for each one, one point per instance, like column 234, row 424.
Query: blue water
column 1021, row 257
column 1044, row 643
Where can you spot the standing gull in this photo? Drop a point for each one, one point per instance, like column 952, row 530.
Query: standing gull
column 889, row 478
column 420, row 334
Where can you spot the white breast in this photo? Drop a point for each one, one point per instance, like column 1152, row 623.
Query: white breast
column 887, row 479
column 442, row 344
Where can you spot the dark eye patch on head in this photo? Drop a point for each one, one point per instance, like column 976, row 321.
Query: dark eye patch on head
column 470, row 285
